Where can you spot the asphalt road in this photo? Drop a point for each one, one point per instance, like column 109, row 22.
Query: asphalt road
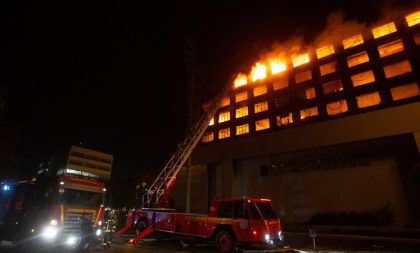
column 296, row 241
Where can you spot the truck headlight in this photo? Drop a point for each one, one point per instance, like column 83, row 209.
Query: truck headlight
column 71, row 240
column 267, row 237
column 98, row 232
column 50, row 232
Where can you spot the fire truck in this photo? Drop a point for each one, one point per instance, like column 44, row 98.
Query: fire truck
column 228, row 221
column 46, row 211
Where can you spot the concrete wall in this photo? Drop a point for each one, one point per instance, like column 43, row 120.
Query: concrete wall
column 300, row 194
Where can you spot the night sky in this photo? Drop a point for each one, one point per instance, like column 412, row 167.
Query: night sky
column 113, row 76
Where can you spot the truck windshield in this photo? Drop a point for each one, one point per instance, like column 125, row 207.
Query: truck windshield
column 74, row 197
column 267, row 210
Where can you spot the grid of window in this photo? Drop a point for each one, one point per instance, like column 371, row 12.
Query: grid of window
column 390, row 48
column 303, row 76
column 260, row 90
column 324, row 51
column 337, row 107
column 413, row 18
column 397, row 69
column 224, row 116
column 328, row 68
column 353, row 41
column 383, row 30
column 208, row 137
column 262, row 124
column 261, row 107
column 362, row 78
column 332, row 87
column 241, row 96
column 282, row 120
column 241, row 112
column 280, row 83
column 334, row 79
column 405, row 91
column 308, row 112
column 368, row 100
column 357, row 59
column 242, row 129
column 224, row 133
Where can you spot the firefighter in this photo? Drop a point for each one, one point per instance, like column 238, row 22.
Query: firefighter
column 141, row 195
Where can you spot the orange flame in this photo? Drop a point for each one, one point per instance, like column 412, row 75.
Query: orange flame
column 277, row 66
column 300, row 59
column 259, row 71
column 240, row 80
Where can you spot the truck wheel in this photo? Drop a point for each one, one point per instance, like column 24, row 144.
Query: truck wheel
column 225, row 241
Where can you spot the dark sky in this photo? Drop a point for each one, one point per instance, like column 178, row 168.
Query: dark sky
column 113, row 75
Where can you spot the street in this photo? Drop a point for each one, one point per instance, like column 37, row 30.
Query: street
column 296, row 242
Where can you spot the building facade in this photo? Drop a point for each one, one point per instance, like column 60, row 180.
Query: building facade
column 79, row 161
column 337, row 129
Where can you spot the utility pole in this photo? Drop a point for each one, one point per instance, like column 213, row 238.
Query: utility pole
column 189, row 119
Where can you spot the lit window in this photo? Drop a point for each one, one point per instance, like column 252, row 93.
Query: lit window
column 242, row 129
column 224, row 116
column 225, row 102
column 211, row 123
column 308, row 112
column 207, row 137
column 300, row 60
column 328, row 68
column 303, row 76
column 383, row 30
column 337, row 107
column 417, row 38
column 305, row 94
column 262, row 124
column 413, row 18
column 260, row 107
column 325, row 51
column 241, row 112
column 357, row 59
column 389, row 48
column 405, row 91
column 333, row 86
column 240, row 80
column 260, row 90
column 283, row 120
column 367, row 100
column 224, row 133
column 241, row 96
column 397, row 69
column 353, row 41
column 280, row 83
column 362, row 78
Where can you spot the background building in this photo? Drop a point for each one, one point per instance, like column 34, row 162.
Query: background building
column 79, row 161
column 333, row 129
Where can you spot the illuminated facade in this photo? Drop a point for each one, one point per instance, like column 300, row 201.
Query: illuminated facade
column 334, row 129
column 79, row 161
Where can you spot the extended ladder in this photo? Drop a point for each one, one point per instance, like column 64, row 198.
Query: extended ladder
column 159, row 190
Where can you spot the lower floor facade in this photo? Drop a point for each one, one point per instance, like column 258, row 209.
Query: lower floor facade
column 359, row 166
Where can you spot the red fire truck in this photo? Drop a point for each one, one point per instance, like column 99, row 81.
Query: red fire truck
column 46, row 211
column 228, row 222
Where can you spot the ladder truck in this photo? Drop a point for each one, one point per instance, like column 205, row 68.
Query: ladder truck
column 228, row 222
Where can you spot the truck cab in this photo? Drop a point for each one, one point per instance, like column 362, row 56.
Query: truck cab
column 244, row 220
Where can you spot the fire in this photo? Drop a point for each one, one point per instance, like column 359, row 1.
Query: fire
column 259, row 71
column 300, row 59
column 277, row 66
column 240, row 80
column 413, row 18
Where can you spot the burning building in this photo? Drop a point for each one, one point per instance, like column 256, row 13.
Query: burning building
column 330, row 128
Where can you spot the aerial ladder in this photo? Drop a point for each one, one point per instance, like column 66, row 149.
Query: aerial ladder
column 162, row 185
